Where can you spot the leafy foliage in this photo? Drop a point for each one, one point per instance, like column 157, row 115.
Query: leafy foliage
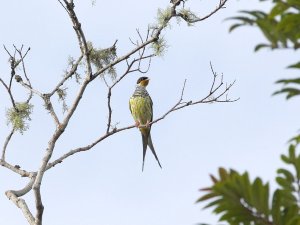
column 188, row 15
column 240, row 201
column 17, row 116
column 162, row 16
column 159, row 47
column 71, row 62
column 62, row 94
column 101, row 58
column 280, row 26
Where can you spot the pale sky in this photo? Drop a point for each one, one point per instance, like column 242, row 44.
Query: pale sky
column 106, row 185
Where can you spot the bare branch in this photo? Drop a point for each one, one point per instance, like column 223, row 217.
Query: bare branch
column 13, row 65
column 38, row 204
column 16, row 169
column 49, row 107
column 109, row 110
column 7, row 51
column 63, row 6
column 24, row 69
column 49, row 151
column 45, row 97
column 69, row 6
column 173, row 108
column 67, row 76
column 88, row 147
column 197, row 19
column 7, row 140
column 28, row 86
column 21, row 203
column 9, row 93
column 214, row 79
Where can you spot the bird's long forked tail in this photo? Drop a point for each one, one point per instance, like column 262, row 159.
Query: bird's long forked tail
column 147, row 141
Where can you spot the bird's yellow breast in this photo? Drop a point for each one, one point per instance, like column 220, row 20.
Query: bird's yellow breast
column 141, row 109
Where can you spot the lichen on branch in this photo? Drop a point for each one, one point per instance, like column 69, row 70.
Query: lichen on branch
column 19, row 116
column 100, row 58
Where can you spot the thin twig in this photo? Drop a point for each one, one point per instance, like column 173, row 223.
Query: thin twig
column 69, row 6
column 220, row 6
column 24, row 69
column 7, row 140
column 9, row 93
column 67, row 76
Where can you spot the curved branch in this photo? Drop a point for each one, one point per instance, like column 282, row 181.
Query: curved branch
column 7, row 140
column 14, row 196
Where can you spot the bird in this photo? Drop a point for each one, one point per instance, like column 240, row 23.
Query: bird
column 141, row 108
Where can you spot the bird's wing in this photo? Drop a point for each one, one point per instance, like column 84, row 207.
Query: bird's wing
column 130, row 105
column 151, row 106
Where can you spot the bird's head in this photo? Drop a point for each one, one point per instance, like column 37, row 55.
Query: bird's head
column 143, row 81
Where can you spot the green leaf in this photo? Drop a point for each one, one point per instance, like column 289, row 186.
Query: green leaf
column 207, row 196
column 234, row 26
column 236, row 198
column 288, row 199
column 267, row 28
column 245, row 20
column 278, row 9
column 286, row 159
column 285, row 184
column 291, row 92
column 256, row 13
column 276, row 211
column 260, row 46
column 295, row 139
column 294, row 66
column 288, row 175
column 288, row 81
column 292, row 152
column 223, row 174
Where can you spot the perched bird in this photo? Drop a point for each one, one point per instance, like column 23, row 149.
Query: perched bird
column 140, row 105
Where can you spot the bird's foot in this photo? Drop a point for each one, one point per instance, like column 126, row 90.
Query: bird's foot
column 147, row 124
column 137, row 123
